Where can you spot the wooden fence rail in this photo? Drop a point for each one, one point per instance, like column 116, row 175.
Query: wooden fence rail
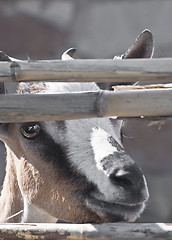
column 64, row 106
column 88, row 70
column 124, row 103
column 111, row 231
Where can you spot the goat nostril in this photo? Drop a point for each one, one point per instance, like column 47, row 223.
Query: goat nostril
column 124, row 180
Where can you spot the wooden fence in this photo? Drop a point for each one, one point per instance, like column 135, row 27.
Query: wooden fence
column 110, row 231
column 148, row 101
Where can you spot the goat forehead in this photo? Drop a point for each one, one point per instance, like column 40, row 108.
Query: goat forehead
column 56, row 130
column 52, row 87
column 83, row 132
column 81, row 129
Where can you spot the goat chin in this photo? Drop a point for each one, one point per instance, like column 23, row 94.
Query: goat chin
column 115, row 212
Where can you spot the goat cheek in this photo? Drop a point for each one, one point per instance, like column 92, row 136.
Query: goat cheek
column 29, row 180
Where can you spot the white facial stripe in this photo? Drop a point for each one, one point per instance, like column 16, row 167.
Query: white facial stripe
column 101, row 146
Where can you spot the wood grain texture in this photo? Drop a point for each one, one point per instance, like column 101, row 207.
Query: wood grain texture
column 128, row 70
column 115, row 231
column 64, row 106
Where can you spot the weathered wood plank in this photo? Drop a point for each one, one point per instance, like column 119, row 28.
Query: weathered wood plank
column 5, row 72
column 63, row 106
column 128, row 70
column 115, row 231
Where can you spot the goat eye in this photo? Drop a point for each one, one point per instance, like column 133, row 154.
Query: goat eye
column 30, row 130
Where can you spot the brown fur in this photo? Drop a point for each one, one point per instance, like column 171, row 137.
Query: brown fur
column 41, row 183
column 11, row 199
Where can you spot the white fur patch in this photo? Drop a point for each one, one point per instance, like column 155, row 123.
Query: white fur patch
column 101, row 146
column 61, row 87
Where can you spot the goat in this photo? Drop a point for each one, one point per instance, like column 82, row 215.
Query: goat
column 74, row 170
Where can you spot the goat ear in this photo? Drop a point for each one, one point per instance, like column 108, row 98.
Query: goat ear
column 143, row 47
column 4, row 57
column 4, row 126
column 68, row 54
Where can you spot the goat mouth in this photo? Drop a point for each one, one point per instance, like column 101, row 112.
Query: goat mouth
column 114, row 212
